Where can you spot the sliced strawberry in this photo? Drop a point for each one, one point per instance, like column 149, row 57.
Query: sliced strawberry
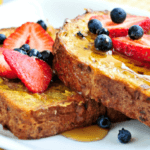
column 5, row 70
column 136, row 49
column 18, row 38
column 118, row 30
column 31, row 33
column 39, row 39
column 34, row 73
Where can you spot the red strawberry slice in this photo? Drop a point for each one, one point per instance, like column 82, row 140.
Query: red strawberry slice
column 5, row 70
column 136, row 49
column 31, row 33
column 39, row 39
column 118, row 30
column 33, row 72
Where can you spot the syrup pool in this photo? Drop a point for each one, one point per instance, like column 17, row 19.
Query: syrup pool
column 86, row 134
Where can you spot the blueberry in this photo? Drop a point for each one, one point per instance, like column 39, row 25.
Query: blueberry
column 103, row 122
column 94, row 25
column 103, row 42
column 47, row 56
column 42, row 23
column 103, row 31
column 80, row 34
column 34, row 52
column 20, row 51
column 2, row 38
column 118, row 15
column 124, row 136
column 25, row 47
column 135, row 32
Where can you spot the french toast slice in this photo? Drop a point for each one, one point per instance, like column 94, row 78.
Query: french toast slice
column 31, row 116
column 111, row 78
column 58, row 109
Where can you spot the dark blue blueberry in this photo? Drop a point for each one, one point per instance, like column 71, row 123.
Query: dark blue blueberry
column 135, row 32
column 20, row 51
column 42, row 23
column 118, row 15
column 103, row 122
column 34, row 52
column 2, row 38
column 103, row 42
column 80, row 34
column 103, row 31
column 47, row 56
column 124, row 136
column 25, row 47
column 94, row 25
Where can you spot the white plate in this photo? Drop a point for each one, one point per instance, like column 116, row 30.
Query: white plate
column 16, row 12
column 56, row 11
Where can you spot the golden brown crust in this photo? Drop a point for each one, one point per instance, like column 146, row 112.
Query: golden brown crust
column 113, row 89
column 20, row 113
column 46, row 122
column 7, row 31
column 47, row 119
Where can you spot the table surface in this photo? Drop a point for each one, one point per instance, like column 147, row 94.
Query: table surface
column 141, row 4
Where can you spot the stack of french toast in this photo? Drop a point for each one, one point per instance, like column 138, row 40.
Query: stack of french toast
column 39, row 100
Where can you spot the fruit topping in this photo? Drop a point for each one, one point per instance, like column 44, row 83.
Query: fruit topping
column 32, row 34
column 94, row 25
column 118, row 30
column 42, row 23
column 103, row 31
column 20, row 51
column 2, row 38
column 136, row 49
column 118, row 15
column 47, row 56
column 34, row 52
column 33, row 72
column 80, row 34
column 124, row 136
column 135, row 32
column 5, row 70
column 25, row 47
column 103, row 42
column 103, row 122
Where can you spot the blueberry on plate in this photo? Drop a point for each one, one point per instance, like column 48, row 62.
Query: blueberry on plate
column 2, row 38
column 47, row 56
column 118, row 15
column 103, row 42
column 103, row 122
column 20, row 51
column 34, row 52
column 25, row 47
column 124, row 136
column 94, row 25
column 135, row 32
column 103, row 31
column 42, row 23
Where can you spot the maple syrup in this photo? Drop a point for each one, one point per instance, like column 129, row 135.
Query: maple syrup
column 86, row 134
column 111, row 63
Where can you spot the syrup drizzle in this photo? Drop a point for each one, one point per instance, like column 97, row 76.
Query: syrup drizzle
column 86, row 134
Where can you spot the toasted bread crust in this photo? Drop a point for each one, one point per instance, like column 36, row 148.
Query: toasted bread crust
column 127, row 95
column 28, row 116
column 50, row 121
column 27, row 121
